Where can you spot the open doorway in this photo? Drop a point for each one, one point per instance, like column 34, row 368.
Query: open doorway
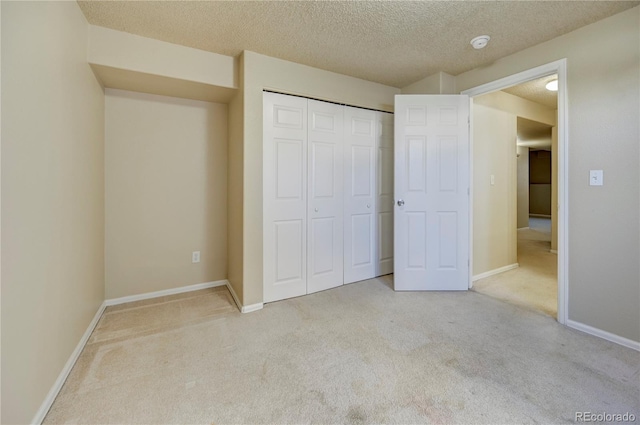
column 515, row 194
column 532, row 280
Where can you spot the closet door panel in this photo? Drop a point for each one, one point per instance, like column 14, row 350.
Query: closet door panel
column 384, row 196
column 360, row 132
column 325, row 191
column 285, row 196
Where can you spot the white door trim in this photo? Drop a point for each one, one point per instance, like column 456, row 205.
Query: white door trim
column 558, row 67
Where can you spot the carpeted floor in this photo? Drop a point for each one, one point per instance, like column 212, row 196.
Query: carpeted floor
column 534, row 284
column 356, row 354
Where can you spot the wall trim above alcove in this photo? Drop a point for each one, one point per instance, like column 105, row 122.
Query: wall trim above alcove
column 130, row 62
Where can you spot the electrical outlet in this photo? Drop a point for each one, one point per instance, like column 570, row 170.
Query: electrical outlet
column 195, row 257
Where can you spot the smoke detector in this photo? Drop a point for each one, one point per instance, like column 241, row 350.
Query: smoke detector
column 480, row 42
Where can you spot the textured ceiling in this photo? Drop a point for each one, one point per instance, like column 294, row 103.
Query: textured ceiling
column 390, row 42
column 536, row 91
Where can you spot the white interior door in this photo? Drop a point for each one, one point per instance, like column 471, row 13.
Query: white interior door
column 432, row 192
column 360, row 130
column 384, row 201
column 325, row 191
column 285, row 196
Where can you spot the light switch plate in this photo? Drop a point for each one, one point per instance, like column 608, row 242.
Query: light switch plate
column 596, row 178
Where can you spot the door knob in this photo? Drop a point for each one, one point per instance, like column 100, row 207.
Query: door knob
column 400, row 202
column 368, row 205
column 315, row 209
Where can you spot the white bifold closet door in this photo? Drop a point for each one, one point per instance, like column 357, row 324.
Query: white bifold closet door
column 368, row 194
column 385, row 200
column 360, row 144
column 284, row 196
column 328, row 195
column 325, row 205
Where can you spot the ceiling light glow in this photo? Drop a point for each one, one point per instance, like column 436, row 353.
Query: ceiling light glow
column 552, row 85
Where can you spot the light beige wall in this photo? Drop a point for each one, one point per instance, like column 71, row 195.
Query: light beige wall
column 523, row 186
column 447, row 84
column 52, row 198
column 439, row 83
column 554, row 188
column 603, row 60
column 494, row 206
column 131, row 62
column 129, row 51
column 235, row 195
column 165, row 192
column 428, row 85
column 263, row 72
column 532, row 111
column 521, row 107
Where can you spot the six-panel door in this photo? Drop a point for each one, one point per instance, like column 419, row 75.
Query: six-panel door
column 432, row 192
column 285, row 196
column 325, row 211
column 328, row 193
column 361, row 127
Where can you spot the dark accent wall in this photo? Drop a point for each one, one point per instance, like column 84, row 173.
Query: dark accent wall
column 540, row 182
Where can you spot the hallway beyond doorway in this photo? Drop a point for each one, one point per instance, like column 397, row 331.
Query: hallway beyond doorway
column 535, row 283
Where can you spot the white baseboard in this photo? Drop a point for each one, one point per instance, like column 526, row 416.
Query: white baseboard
column 495, row 271
column 252, row 307
column 163, row 293
column 539, row 215
column 235, row 297
column 635, row 345
column 243, row 308
column 553, row 251
column 66, row 370
column 523, row 228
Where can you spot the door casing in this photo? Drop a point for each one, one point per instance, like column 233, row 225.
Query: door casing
column 558, row 67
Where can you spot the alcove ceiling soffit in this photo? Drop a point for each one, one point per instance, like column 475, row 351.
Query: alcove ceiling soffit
column 394, row 43
column 533, row 131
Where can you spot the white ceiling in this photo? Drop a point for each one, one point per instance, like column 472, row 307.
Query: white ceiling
column 390, row 42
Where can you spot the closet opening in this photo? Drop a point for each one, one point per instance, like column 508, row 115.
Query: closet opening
column 327, row 195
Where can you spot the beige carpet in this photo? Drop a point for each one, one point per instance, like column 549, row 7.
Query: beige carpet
column 357, row 354
column 534, row 284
